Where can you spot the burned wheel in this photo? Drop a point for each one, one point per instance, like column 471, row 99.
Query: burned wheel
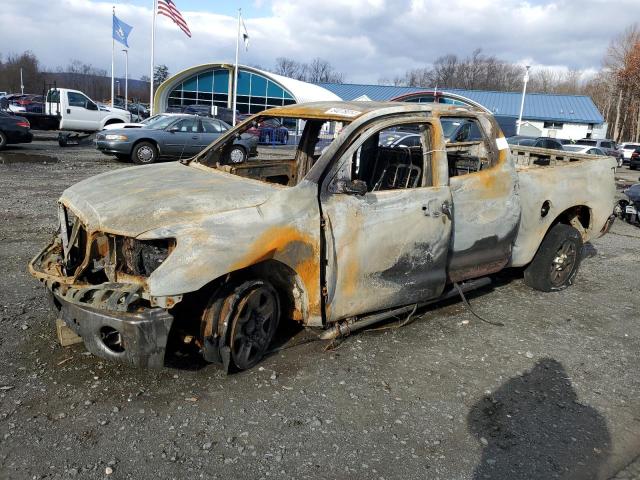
column 3, row 140
column 256, row 318
column 557, row 261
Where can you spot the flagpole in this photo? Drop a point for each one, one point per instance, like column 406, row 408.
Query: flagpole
column 153, row 44
column 235, row 70
column 113, row 59
column 126, row 77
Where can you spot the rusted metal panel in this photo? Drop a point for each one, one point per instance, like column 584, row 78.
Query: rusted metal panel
column 381, row 250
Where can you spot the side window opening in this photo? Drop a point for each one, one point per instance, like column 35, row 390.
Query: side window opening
column 211, row 126
column 467, row 149
column 393, row 158
column 186, row 125
column 77, row 100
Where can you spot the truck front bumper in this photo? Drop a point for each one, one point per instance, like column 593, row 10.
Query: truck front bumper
column 139, row 339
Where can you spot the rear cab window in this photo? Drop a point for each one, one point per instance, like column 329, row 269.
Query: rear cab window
column 467, row 147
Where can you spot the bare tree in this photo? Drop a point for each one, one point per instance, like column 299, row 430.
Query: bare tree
column 317, row 71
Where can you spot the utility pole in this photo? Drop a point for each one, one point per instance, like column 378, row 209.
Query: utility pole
column 235, row 72
column 113, row 61
column 524, row 93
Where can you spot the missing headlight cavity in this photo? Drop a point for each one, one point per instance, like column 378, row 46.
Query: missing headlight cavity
column 142, row 257
column 546, row 206
column 112, row 339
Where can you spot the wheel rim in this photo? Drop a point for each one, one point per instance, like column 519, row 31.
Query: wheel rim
column 254, row 326
column 563, row 263
column 236, row 155
column 145, row 154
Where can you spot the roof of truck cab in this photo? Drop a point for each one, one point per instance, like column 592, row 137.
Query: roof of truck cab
column 349, row 111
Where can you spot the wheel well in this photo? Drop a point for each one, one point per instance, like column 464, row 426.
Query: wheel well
column 578, row 217
column 293, row 298
column 149, row 140
column 112, row 121
column 286, row 282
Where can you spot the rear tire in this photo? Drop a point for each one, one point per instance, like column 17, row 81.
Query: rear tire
column 3, row 140
column 144, row 153
column 557, row 261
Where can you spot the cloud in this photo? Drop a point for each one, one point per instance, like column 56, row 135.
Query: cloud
column 365, row 39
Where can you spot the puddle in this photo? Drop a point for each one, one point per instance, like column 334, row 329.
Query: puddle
column 7, row 158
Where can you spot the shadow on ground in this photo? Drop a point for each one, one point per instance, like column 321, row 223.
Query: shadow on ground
column 533, row 427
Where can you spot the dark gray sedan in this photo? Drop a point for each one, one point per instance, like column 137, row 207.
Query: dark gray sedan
column 172, row 137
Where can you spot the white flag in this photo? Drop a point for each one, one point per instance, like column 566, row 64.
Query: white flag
column 245, row 35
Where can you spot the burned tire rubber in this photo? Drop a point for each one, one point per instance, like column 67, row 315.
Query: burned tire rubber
column 144, row 153
column 557, row 261
column 3, row 140
column 246, row 319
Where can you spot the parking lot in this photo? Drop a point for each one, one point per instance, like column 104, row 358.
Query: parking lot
column 551, row 394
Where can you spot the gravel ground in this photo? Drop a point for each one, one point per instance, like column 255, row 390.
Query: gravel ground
column 551, row 394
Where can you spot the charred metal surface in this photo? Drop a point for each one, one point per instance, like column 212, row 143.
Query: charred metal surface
column 150, row 236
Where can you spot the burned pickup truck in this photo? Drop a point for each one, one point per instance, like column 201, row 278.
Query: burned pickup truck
column 371, row 213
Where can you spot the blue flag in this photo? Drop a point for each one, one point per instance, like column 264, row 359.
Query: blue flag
column 121, row 31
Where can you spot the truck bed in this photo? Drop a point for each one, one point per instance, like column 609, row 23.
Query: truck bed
column 560, row 180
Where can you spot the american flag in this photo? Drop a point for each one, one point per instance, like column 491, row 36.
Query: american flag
column 169, row 9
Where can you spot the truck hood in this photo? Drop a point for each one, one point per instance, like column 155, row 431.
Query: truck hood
column 132, row 201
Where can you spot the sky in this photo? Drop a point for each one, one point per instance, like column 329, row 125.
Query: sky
column 364, row 39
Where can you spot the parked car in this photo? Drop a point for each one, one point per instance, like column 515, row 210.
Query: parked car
column 218, row 254
column 270, row 131
column 142, row 124
column 14, row 130
column 138, row 109
column 627, row 149
column 173, row 136
column 634, row 161
column 400, row 138
column 539, row 142
column 24, row 100
column 608, row 146
column 224, row 114
column 585, row 150
column 629, row 209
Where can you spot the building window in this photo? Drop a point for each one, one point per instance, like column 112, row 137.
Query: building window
column 255, row 92
column 554, row 125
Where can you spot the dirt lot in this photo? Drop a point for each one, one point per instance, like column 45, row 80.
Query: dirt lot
column 551, row 394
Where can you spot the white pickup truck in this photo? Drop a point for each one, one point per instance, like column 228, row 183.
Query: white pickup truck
column 73, row 111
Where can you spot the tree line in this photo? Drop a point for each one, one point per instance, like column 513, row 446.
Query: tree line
column 77, row 75
column 615, row 88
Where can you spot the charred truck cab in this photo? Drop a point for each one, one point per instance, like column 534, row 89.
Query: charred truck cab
column 371, row 212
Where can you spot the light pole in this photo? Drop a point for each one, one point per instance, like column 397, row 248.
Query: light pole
column 524, row 93
column 126, row 77
column 21, row 83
